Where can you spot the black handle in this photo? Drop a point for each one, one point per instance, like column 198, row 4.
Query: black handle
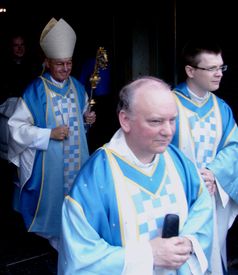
column 170, row 226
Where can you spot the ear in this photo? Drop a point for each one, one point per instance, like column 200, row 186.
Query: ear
column 189, row 71
column 47, row 63
column 125, row 121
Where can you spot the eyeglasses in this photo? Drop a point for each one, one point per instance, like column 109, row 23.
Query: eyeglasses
column 212, row 69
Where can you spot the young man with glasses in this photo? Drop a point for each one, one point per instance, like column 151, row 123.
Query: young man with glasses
column 207, row 133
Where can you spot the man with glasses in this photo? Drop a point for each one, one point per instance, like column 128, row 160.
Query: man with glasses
column 48, row 136
column 207, row 133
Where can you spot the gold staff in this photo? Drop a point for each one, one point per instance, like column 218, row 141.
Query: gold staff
column 101, row 63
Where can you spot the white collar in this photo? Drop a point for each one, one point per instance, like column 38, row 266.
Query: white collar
column 59, row 84
column 198, row 99
column 119, row 145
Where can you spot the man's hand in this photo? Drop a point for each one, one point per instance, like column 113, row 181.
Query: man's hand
column 171, row 253
column 60, row 132
column 90, row 117
column 209, row 180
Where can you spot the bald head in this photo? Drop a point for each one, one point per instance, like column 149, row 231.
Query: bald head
column 144, row 89
column 147, row 111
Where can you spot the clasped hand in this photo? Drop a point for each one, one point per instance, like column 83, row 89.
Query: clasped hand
column 60, row 133
column 90, row 117
column 171, row 253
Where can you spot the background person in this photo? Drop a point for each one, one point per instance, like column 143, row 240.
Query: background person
column 19, row 67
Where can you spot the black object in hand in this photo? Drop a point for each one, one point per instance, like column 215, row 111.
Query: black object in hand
column 170, row 226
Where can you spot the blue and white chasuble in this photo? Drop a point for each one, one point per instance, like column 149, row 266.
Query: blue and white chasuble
column 47, row 167
column 115, row 207
column 208, row 135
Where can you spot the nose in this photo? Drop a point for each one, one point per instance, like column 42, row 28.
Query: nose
column 66, row 66
column 167, row 129
column 219, row 72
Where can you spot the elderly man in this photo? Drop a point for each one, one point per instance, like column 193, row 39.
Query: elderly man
column 113, row 217
column 48, row 136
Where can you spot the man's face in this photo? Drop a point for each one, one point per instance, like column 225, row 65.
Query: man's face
column 18, row 47
column 151, row 124
column 60, row 69
column 208, row 73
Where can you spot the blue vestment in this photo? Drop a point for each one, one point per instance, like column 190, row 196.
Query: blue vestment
column 207, row 133
column 223, row 159
column 106, row 211
column 42, row 190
